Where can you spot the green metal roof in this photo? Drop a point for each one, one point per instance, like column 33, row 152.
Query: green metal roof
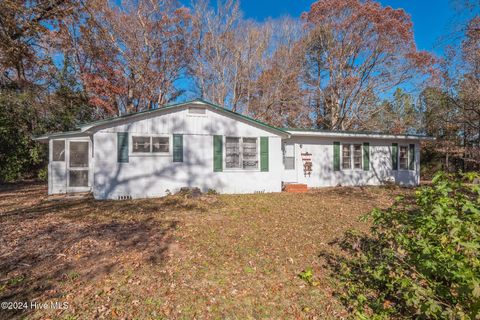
column 356, row 132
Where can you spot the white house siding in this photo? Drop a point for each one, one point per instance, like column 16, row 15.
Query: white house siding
column 323, row 175
column 155, row 175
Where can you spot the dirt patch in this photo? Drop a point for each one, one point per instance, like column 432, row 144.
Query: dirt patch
column 228, row 256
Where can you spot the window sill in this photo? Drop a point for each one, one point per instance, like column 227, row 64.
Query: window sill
column 156, row 154
column 240, row 170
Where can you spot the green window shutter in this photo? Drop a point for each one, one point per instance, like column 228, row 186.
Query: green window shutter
column 122, row 146
column 178, row 148
column 336, row 156
column 394, row 156
column 366, row 156
column 263, row 153
column 217, row 153
column 411, row 157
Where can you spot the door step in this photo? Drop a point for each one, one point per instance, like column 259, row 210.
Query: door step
column 296, row 188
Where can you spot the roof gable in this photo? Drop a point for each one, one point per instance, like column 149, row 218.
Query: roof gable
column 87, row 127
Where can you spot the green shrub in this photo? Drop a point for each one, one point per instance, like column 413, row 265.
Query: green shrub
column 43, row 174
column 422, row 259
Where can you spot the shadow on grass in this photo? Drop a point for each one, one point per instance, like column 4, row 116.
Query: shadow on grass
column 54, row 241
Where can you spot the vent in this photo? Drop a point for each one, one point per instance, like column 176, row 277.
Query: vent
column 196, row 111
column 125, row 197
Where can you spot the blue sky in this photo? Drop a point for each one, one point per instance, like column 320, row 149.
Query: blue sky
column 431, row 18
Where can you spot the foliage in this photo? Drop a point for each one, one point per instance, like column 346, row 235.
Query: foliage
column 307, row 275
column 401, row 115
column 423, row 258
column 18, row 153
column 20, row 156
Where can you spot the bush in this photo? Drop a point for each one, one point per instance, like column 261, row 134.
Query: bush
column 422, row 259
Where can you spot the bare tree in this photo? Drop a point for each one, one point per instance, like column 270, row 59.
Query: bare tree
column 356, row 51
column 130, row 55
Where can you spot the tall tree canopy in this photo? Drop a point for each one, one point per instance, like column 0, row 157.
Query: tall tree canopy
column 357, row 50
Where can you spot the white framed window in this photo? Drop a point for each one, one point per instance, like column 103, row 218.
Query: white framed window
column 346, row 157
column 289, row 156
column 58, row 150
column 241, row 153
column 403, row 158
column 232, row 153
column 357, row 156
column 250, row 153
column 160, row 144
column 352, row 156
column 142, row 145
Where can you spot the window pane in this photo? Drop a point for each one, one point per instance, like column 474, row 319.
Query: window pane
column 346, row 163
column 58, row 150
column 160, row 144
column 403, row 157
column 78, row 154
column 289, row 163
column 357, row 156
column 250, row 154
column 78, row 178
column 141, row 144
column 232, row 152
column 289, row 156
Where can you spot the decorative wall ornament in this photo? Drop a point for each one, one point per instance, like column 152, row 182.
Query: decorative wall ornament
column 307, row 163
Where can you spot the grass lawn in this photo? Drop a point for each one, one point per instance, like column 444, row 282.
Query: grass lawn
column 227, row 256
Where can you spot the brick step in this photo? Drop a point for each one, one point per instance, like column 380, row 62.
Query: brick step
column 296, row 188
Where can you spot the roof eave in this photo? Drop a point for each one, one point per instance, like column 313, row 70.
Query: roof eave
column 294, row 133
column 58, row 135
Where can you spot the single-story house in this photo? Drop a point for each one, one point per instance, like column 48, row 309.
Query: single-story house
column 199, row 144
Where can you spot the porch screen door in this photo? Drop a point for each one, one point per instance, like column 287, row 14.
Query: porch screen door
column 78, row 165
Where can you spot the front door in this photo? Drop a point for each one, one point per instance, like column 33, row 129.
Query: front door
column 289, row 163
column 78, row 166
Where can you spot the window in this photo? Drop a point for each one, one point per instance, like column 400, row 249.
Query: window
column 346, row 157
column 58, row 150
column 289, row 157
column 160, row 144
column 250, row 153
column 403, row 158
column 232, row 152
column 143, row 144
column 241, row 153
column 357, row 156
column 140, row 144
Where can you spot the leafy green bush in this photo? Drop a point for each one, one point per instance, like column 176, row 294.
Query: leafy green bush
column 422, row 259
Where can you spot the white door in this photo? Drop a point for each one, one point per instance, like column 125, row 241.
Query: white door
column 78, row 161
column 57, row 169
column 289, row 163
